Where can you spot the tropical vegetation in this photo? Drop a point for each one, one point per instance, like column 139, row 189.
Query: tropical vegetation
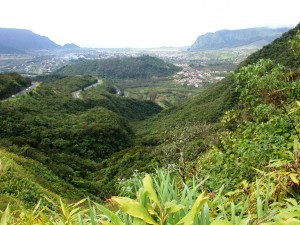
column 128, row 67
column 12, row 83
column 229, row 156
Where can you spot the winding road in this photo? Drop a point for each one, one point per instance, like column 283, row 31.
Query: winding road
column 76, row 94
column 33, row 85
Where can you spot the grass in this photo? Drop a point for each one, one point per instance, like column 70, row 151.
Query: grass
column 163, row 91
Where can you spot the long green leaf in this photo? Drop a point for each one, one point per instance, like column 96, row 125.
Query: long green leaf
column 258, row 201
column 91, row 213
column 80, row 221
column 198, row 205
column 266, row 207
column 64, row 209
column 134, row 208
column 149, row 187
column 173, row 207
column 292, row 221
column 232, row 213
column 221, row 222
column 245, row 221
column 112, row 216
column 5, row 216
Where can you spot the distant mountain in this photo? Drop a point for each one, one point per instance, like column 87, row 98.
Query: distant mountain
column 16, row 41
column 236, row 38
column 70, row 46
column 10, row 50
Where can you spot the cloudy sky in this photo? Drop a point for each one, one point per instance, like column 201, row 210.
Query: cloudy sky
column 142, row 23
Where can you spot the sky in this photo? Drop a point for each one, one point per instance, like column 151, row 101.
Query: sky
column 142, row 23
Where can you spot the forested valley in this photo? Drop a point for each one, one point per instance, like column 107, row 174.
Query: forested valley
column 228, row 155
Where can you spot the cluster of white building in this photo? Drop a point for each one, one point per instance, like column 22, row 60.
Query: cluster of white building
column 192, row 77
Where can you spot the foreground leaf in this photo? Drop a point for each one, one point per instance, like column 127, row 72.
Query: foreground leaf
column 221, row 222
column 134, row 208
column 5, row 216
column 112, row 216
column 198, row 205
column 149, row 187
column 173, row 207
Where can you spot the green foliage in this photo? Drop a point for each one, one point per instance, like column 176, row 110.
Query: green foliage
column 68, row 136
column 207, row 107
column 176, row 136
column 122, row 165
column 130, row 67
column 261, row 127
column 163, row 199
column 72, row 136
column 106, row 96
column 160, row 200
column 278, row 51
column 11, row 84
column 25, row 181
column 268, row 200
column 90, row 142
column 48, row 78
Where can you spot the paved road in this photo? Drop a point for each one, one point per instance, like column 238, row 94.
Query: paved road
column 76, row 94
column 33, row 85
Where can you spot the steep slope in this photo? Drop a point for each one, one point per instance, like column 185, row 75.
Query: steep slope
column 24, row 180
column 251, row 173
column 70, row 137
column 236, row 38
column 20, row 40
column 89, row 142
column 279, row 51
column 265, row 126
column 11, row 84
column 207, row 107
column 181, row 132
column 184, row 134
column 122, row 68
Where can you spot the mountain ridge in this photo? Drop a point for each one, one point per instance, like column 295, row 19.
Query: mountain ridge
column 18, row 41
column 235, row 38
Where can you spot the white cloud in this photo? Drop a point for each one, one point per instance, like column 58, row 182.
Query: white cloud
column 142, row 23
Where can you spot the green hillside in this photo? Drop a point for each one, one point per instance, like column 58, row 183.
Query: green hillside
column 180, row 134
column 70, row 136
column 26, row 181
column 123, row 68
column 11, row 84
column 227, row 156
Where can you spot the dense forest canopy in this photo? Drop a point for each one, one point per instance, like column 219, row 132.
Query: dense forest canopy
column 238, row 140
column 123, row 68
column 11, row 84
column 70, row 136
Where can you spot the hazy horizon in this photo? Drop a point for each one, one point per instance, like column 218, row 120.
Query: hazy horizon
column 148, row 24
